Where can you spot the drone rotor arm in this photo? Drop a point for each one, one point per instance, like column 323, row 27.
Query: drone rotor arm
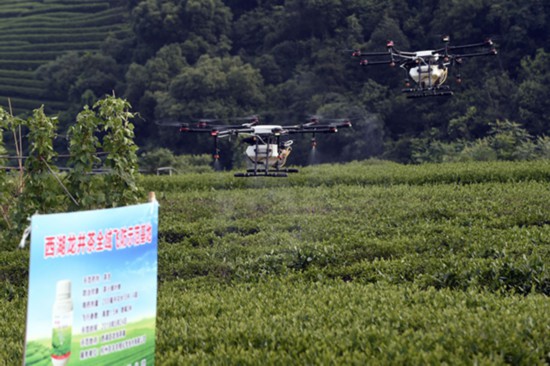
column 171, row 124
column 364, row 54
column 404, row 54
column 322, row 128
column 235, row 131
column 491, row 52
column 375, row 63
column 310, row 130
column 488, row 43
column 192, row 130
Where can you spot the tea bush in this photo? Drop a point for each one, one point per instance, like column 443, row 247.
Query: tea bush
column 363, row 263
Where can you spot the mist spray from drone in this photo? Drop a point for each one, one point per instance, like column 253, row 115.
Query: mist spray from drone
column 313, row 154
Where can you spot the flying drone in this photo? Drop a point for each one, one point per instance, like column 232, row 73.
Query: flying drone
column 427, row 70
column 268, row 145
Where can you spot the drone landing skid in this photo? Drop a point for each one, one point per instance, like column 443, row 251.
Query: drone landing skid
column 433, row 92
column 270, row 173
column 261, row 174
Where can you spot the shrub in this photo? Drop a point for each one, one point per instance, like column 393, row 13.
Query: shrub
column 45, row 190
column 507, row 140
column 479, row 150
column 543, row 147
column 157, row 158
column 510, row 141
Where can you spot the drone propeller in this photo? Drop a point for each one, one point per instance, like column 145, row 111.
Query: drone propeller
column 206, row 122
column 320, row 119
column 318, row 124
column 250, row 121
column 170, row 123
column 338, row 121
column 313, row 119
column 183, row 126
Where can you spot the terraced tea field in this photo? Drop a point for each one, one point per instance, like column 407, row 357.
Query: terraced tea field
column 35, row 32
column 359, row 263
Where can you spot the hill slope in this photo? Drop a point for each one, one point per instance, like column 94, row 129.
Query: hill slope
column 33, row 33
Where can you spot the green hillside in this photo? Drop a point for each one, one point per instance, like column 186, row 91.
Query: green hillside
column 285, row 60
column 353, row 264
column 33, row 33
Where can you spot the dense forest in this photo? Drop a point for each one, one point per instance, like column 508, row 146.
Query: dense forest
column 286, row 59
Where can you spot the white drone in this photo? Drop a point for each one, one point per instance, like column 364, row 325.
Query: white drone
column 267, row 151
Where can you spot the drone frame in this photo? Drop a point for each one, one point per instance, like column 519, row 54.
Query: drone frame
column 427, row 69
column 263, row 135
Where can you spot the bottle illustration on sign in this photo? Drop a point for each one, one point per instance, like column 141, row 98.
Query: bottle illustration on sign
column 62, row 323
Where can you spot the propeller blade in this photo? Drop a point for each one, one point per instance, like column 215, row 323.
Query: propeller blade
column 171, row 123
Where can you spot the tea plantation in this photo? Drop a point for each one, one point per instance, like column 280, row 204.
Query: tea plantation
column 35, row 32
column 362, row 263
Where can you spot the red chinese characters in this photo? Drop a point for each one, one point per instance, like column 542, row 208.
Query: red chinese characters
column 84, row 243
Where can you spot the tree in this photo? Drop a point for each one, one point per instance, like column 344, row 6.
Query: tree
column 83, row 145
column 534, row 93
column 155, row 75
column 510, row 141
column 226, row 57
column 521, row 26
column 201, row 26
column 157, row 22
column 73, row 74
column 44, row 190
column 4, row 186
column 121, row 181
column 224, row 86
column 451, row 16
column 41, row 187
column 209, row 19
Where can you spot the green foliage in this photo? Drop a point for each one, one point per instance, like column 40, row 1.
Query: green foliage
column 41, row 193
column 461, row 126
column 42, row 189
column 30, row 104
column 217, row 85
column 365, row 173
column 200, row 26
column 193, row 163
column 34, row 33
column 431, row 150
column 291, row 321
column 479, row 150
column 37, row 188
column 506, row 140
column 4, row 189
column 72, row 74
column 533, row 103
column 367, row 262
column 510, row 141
column 118, row 143
column 543, row 147
column 10, row 185
column 191, row 59
column 151, row 161
column 83, row 159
